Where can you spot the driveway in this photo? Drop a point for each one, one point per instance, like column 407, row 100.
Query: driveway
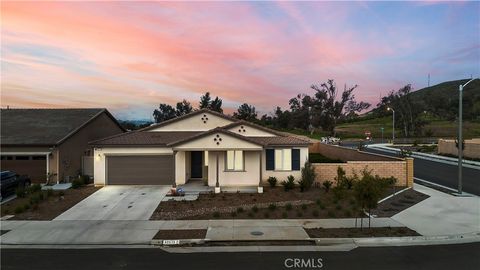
column 118, row 203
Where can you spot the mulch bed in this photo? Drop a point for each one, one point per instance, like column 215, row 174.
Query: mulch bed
column 180, row 234
column 399, row 203
column 357, row 232
column 315, row 203
column 50, row 207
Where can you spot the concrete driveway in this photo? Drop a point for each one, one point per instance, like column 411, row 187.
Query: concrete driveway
column 118, row 203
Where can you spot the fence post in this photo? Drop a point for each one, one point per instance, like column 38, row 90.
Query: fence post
column 409, row 162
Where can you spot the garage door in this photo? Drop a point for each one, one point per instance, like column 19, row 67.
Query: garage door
column 140, row 170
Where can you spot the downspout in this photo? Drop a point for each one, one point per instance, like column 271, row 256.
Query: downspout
column 260, row 187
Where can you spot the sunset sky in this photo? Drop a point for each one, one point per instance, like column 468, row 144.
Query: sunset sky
column 129, row 57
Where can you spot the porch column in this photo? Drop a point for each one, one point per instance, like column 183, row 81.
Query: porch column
column 260, row 187
column 174, row 168
column 217, row 183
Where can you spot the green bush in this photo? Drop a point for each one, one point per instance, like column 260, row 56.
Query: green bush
column 308, row 177
column 34, row 188
column 20, row 192
column 272, row 181
column 272, row 207
column 216, row 214
column 304, row 206
column 315, row 213
column 331, row 214
column 289, row 184
column 326, row 185
column 255, row 209
column 77, row 183
column 288, row 206
column 239, row 209
column 233, row 214
column 299, row 214
column 284, row 215
column 18, row 209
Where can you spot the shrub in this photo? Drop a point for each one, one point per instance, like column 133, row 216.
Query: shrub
column 284, row 215
column 326, row 185
column 250, row 214
column 272, row 206
column 266, row 215
column 272, row 181
column 34, row 199
column 338, row 207
column 77, row 183
column 299, row 214
column 304, row 206
column 34, row 188
column 255, row 209
column 239, row 209
column 288, row 206
column 289, row 184
column 338, row 193
column 18, row 209
column 315, row 213
column 20, row 192
column 331, row 213
column 26, row 206
column 308, row 177
column 216, row 214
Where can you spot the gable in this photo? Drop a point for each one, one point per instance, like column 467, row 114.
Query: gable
column 196, row 122
column 218, row 141
column 249, row 131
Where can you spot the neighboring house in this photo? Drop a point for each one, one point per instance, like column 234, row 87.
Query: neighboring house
column 41, row 142
column 203, row 145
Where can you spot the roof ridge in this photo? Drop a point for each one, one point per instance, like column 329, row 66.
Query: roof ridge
column 240, row 121
column 213, row 130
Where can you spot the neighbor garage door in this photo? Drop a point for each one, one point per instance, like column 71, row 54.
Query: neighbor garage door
column 140, row 170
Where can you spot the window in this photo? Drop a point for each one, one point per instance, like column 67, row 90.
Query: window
column 7, row 157
column 234, row 160
column 38, row 157
column 283, row 159
column 22, row 157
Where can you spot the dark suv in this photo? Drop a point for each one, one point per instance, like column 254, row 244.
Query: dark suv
column 10, row 181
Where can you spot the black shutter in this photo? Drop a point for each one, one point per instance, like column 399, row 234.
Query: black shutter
column 270, row 159
column 295, row 159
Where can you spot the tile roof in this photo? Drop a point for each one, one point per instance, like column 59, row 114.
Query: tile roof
column 145, row 138
column 43, row 126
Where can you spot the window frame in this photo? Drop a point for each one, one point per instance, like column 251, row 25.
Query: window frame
column 282, row 160
column 234, row 161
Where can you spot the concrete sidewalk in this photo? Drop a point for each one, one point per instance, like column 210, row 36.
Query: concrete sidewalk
column 442, row 214
column 85, row 232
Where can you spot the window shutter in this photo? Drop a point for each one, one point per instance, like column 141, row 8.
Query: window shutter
column 295, row 159
column 270, row 159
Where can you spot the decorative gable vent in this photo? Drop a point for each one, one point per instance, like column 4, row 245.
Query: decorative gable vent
column 242, row 129
column 204, row 118
column 217, row 139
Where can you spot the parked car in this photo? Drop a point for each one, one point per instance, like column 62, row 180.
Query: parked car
column 10, row 181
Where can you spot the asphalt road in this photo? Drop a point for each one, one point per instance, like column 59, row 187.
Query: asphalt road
column 462, row 256
column 442, row 174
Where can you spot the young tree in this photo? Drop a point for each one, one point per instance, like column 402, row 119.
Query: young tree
column 246, row 112
column 163, row 113
column 183, row 108
column 368, row 190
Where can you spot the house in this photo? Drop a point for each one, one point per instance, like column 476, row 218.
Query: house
column 53, row 142
column 203, row 145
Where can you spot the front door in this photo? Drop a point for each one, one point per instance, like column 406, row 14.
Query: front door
column 197, row 164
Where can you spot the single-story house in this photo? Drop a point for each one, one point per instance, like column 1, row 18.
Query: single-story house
column 203, row 145
column 52, row 142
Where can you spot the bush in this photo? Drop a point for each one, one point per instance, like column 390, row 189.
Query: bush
column 18, row 209
column 338, row 193
column 289, row 184
column 20, row 192
column 315, row 213
column 343, row 181
column 304, row 206
column 233, row 214
column 34, row 188
column 272, row 181
column 239, row 209
column 216, row 214
column 266, row 215
column 34, row 199
column 77, row 183
column 326, row 185
column 331, row 214
column 288, row 206
column 272, row 207
column 308, row 177
column 255, row 209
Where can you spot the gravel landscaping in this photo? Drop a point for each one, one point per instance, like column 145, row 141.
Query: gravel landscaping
column 398, row 203
column 180, row 234
column 357, row 232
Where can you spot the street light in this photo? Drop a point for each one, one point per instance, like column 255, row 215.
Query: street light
column 460, row 135
column 393, row 124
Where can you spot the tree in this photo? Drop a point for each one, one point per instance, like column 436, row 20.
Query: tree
column 368, row 190
column 216, row 105
column 163, row 113
column 206, row 102
column 183, row 108
column 246, row 112
column 308, row 177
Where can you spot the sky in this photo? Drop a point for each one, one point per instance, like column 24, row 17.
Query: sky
column 130, row 56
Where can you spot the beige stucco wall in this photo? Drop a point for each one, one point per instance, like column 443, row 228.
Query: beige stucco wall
column 227, row 143
column 195, row 123
column 282, row 175
column 100, row 153
column 249, row 177
column 472, row 148
column 250, row 131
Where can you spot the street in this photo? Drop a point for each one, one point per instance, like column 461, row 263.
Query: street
column 441, row 173
column 462, row 256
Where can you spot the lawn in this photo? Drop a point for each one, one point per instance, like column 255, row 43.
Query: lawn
column 45, row 205
column 274, row 203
